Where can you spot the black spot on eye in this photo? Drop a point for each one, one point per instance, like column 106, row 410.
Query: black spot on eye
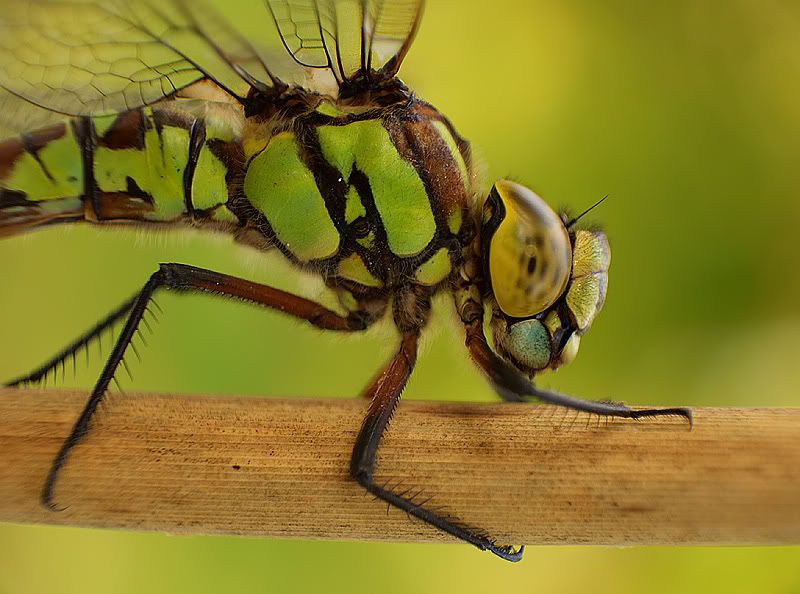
column 531, row 264
column 360, row 227
column 543, row 268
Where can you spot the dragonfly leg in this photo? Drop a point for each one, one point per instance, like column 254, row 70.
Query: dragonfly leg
column 385, row 392
column 181, row 277
column 72, row 349
column 513, row 386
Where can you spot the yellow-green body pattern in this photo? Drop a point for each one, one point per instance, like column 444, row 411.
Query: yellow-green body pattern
column 371, row 198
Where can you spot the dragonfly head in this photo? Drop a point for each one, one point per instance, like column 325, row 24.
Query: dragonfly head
column 547, row 280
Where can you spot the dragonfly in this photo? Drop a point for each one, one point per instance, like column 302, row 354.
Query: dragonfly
column 163, row 114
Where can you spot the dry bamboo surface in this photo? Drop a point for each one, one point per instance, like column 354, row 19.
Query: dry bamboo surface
column 526, row 474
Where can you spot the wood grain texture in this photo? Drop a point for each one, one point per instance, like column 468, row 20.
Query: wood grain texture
column 526, row 474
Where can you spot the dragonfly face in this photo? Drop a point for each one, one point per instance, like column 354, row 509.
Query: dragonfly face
column 547, row 282
column 162, row 114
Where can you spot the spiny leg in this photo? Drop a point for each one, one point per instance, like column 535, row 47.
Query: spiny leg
column 385, row 392
column 181, row 277
column 511, row 385
column 73, row 348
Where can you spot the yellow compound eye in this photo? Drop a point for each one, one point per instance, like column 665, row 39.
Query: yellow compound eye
column 529, row 254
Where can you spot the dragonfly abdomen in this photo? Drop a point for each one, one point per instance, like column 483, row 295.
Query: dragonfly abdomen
column 159, row 165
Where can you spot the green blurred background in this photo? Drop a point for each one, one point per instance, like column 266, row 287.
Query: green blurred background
column 686, row 113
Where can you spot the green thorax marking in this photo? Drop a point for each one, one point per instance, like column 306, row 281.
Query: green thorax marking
column 399, row 193
column 435, row 269
column 353, row 268
column 283, row 189
column 374, row 199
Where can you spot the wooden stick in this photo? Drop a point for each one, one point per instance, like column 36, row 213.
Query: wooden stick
column 525, row 473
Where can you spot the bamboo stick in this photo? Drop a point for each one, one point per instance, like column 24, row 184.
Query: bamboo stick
column 524, row 473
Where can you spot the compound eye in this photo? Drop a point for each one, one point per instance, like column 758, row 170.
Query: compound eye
column 529, row 254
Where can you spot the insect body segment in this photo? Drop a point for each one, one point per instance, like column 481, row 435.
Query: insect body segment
column 156, row 165
column 373, row 198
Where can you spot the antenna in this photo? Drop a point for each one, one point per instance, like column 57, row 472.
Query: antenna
column 585, row 212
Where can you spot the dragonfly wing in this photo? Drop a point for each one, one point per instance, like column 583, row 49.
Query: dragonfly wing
column 89, row 57
column 347, row 37
column 18, row 116
column 389, row 28
column 309, row 31
column 79, row 57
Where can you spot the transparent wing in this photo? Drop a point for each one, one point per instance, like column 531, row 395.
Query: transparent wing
column 304, row 30
column 347, row 36
column 309, row 32
column 18, row 116
column 389, row 29
column 78, row 57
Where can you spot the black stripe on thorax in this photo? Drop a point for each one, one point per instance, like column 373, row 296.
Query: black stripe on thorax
column 334, row 188
column 331, row 187
column 386, row 267
column 380, row 260
column 329, row 181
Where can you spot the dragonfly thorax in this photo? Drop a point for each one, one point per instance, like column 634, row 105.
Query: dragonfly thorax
column 372, row 198
column 373, row 88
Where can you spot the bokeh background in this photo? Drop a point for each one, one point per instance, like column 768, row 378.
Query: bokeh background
column 686, row 113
